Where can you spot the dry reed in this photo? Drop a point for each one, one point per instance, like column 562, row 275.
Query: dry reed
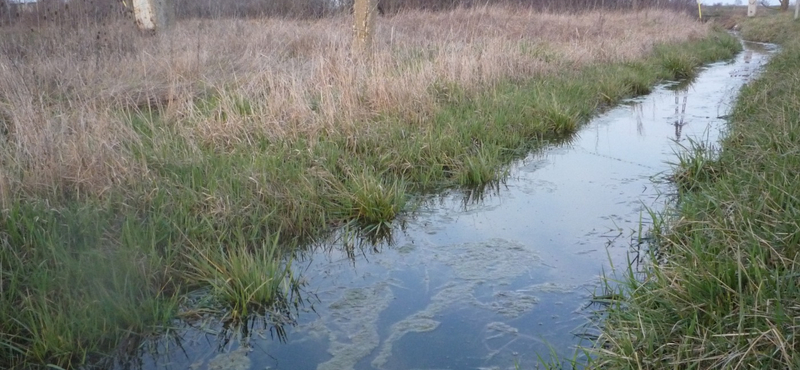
column 64, row 92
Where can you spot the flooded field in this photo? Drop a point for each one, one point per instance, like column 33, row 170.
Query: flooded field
column 489, row 280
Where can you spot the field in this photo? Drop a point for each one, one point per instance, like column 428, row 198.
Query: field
column 137, row 168
column 724, row 293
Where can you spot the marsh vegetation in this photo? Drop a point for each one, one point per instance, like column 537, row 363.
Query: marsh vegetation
column 722, row 291
column 137, row 168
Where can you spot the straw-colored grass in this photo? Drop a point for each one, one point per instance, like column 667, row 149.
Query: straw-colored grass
column 165, row 162
column 62, row 91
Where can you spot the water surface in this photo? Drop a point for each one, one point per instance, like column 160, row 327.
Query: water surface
column 489, row 281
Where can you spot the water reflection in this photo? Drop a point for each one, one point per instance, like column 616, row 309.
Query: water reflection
column 205, row 337
column 638, row 111
column 680, row 111
column 487, row 277
column 177, row 348
column 478, row 194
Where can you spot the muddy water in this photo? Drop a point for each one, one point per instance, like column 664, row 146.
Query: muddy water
column 489, row 281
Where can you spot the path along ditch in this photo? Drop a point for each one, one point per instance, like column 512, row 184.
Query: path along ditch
column 485, row 281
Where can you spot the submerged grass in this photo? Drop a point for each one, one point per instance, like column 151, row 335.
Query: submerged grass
column 725, row 293
column 125, row 188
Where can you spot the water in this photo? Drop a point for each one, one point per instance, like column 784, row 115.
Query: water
column 486, row 283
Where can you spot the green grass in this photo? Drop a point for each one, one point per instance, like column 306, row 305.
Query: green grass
column 725, row 292
column 67, row 288
column 774, row 27
column 79, row 275
column 246, row 279
column 696, row 164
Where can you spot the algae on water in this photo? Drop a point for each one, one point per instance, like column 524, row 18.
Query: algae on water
column 493, row 263
column 234, row 360
column 352, row 326
column 512, row 304
column 351, row 321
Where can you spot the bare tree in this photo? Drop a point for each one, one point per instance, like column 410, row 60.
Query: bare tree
column 784, row 6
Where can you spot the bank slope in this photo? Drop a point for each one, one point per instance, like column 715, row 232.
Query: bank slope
column 114, row 215
column 725, row 292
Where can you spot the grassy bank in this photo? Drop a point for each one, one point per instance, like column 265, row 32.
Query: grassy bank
column 136, row 169
column 725, row 292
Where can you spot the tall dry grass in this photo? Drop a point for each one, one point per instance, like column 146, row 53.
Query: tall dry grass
column 150, row 157
column 64, row 92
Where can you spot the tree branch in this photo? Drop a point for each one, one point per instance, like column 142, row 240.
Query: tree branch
column 764, row 4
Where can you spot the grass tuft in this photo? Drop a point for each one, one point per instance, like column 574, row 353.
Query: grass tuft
column 723, row 293
column 483, row 167
column 246, row 279
column 373, row 201
column 562, row 121
column 697, row 164
column 679, row 65
column 169, row 177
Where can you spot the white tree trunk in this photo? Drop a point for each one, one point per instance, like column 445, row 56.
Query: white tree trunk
column 751, row 8
column 145, row 15
column 364, row 12
column 152, row 15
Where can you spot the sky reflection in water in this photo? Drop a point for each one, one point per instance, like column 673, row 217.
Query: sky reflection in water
column 487, row 284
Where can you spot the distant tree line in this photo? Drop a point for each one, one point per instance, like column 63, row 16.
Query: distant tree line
column 79, row 11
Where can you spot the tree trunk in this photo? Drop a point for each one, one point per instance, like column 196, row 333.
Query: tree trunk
column 784, row 5
column 153, row 15
column 364, row 14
